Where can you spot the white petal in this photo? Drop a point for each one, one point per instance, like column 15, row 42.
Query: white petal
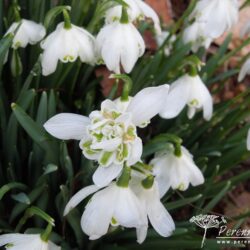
column 79, row 196
column 141, row 234
column 128, row 210
column 108, row 145
column 104, row 175
column 147, row 104
column 67, row 126
column 176, row 99
column 136, row 152
column 98, row 213
column 160, row 219
column 248, row 140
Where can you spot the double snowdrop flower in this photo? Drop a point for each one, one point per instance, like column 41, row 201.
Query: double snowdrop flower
column 190, row 91
column 210, row 21
column 175, row 171
column 26, row 242
column 27, row 32
column 67, row 44
column 137, row 9
column 109, row 136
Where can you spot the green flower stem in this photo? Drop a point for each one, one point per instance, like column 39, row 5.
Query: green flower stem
column 67, row 21
column 148, row 182
column 16, row 9
column 46, row 234
column 192, row 70
column 127, row 85
column 124, row 18
column 177, row 150
column 124, row 179
column 30, row 212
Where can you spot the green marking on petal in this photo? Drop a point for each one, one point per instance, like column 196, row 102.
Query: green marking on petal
column 105, row 158
column 194, row 102
column 114, row 221
column 181, row 187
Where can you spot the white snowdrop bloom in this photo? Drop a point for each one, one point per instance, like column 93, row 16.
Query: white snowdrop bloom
column 190, row 91
column 195, row 34
column 26, row 242
column 28, row 32
column 157, row 214
column 66, row 45
column 120, row 44
column 248, row 140
column 137, row 9
column 160, row 39
column 113, row 205
column 109, row 136
column 212, row 13
column 245, row 70
column 176, row 171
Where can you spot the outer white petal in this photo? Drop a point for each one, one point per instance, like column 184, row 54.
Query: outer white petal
column 132, row 41
column 109, row 43
column 67, row 126
column 35, row 32
column 79, row 196
column 245, row 70
column 141, row 234
column 147, row 104
column 104, row 175
column 161, row 173
column 128, row 210
column 176, row 99
column 248, row 140
column 98, row 213
column 136, row 152
column 160, row 219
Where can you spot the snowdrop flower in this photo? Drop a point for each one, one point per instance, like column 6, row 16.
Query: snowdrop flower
column 109, row 136
column 190, row 91
column 160, row 39
column 67, row 44
column 137, row 9
column 176, row 171
column 147, row 191
column 212, row 13
column 245, row 70
column 195, row 34
column 26, row 242
column 113, row 205
column 120, row 44
column 28, row 32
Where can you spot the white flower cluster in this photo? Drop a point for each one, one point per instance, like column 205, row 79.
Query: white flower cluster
column 127, row 192
column 209, row 20
column 118, row 43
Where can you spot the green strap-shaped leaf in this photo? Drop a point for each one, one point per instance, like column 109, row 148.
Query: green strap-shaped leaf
column 13, row 185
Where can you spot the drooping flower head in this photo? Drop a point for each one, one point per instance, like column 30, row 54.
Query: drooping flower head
column 27, row 32
column 176, row 171
column 67, row 44
column 190, row 91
